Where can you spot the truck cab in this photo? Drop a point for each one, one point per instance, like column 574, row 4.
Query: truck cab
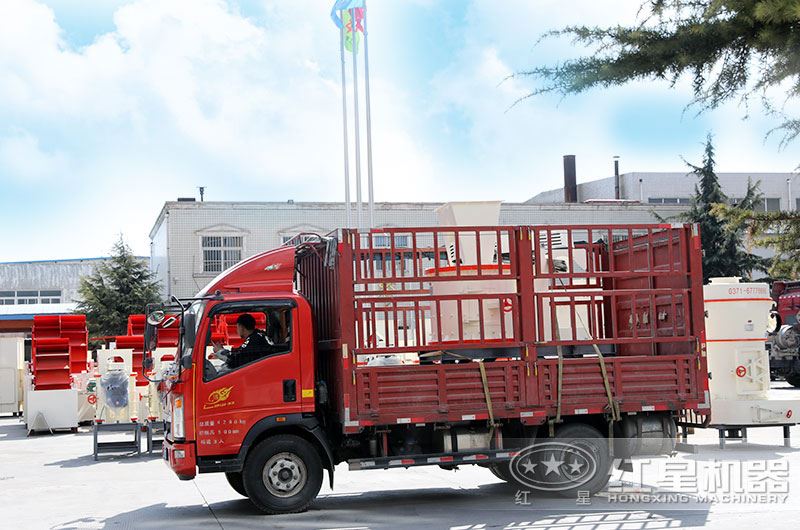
column 218, row 410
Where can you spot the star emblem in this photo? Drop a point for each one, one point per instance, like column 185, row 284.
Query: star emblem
column 529, row 467
column 575, row 467
column 552, row 465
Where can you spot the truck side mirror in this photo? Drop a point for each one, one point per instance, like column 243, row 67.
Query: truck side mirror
column 189, row 328
column 156, row 317
column 150, row 337
column 186, row 362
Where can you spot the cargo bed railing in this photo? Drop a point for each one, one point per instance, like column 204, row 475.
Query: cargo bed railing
column 423, row 289
column 628, row 288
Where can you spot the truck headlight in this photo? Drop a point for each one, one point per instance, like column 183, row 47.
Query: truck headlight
column 178, row 430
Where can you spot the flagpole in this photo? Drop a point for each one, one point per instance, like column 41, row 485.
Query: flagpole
column 369, row 122
column 354, row 32
column 347, row 205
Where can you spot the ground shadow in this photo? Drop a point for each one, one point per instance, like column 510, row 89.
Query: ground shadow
column 487, row 505
column 88, row 460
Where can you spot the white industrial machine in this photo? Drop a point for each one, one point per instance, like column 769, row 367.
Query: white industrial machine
column 498, row 320
column 163, row 359
column 12, row 362
column 118, row 403
column 115, row 386
column 49, row 410
column 736, row 322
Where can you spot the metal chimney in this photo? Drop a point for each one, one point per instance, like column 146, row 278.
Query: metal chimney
column 570, row 179
column 617, row 194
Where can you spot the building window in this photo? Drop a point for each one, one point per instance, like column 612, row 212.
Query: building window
column 382, row 241
column 29, row 297
column 773, row 205
column 770, row 204
column 669, row 200
column 221, row 252
column 286, row 238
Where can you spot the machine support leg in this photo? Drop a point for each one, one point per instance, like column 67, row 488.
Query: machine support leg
column 721, row 438
column 787, row 441
column 94, row 440
column 744, row 435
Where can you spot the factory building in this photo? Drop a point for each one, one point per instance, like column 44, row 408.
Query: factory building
column 48, row 287
column 779, row 190
column 192, row 242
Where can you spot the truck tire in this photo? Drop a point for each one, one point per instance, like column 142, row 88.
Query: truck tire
column 236, row 482
column 590, row 439
column 282, row 474
column 501, row 471
column 793, row 379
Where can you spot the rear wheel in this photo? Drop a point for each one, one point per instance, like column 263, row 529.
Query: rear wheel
column 501, row 470
column 236, row 482
column 283, row 474
column 793, row 378
column 589, row 439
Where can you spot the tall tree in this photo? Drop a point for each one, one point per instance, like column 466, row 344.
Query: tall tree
column 729, row 48
column 779, row 231
column 119, row 287
column 723, row 250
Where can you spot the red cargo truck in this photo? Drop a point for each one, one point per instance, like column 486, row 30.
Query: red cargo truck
column 525, row 335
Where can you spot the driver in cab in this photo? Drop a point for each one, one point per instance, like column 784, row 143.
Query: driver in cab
column 256, row 344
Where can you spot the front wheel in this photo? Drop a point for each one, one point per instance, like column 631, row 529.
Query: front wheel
column 283, row 474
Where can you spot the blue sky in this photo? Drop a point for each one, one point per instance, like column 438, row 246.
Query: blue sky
column 108, row 108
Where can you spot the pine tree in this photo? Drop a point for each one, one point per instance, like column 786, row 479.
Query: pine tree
column 723, row 252
column 779, row 231
column 729, row 48
column 119, row 287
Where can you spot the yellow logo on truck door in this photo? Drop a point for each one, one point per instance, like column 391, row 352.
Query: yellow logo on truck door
column 219, row 398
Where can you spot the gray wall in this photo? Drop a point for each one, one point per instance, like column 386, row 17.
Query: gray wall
column 59, row 275
column 679, row 185
column 177, row 257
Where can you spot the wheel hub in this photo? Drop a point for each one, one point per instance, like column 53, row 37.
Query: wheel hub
column 284, row 475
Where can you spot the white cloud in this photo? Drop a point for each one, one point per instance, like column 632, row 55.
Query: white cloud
column 191, row 92
column 22, row 157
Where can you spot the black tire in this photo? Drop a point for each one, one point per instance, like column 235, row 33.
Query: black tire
column 793, row 379
column 590, row 439
column 236, row 482
column 502, row 471
column 293, row 469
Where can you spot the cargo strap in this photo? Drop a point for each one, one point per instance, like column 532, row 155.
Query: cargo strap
column 488, row 397
column 612, row 403
column 613, row 406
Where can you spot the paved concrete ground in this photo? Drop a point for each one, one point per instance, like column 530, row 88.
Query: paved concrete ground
column 52, row 482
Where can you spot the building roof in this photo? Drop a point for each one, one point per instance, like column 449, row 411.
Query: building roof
column 64, row 260
column 27, row 311
column 723, row 175
column 385, row 206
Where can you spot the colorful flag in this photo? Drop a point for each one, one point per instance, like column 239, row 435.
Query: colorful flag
column 344, row 5
column 353, row 38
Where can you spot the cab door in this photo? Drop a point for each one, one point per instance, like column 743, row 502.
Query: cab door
column 231, row 399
